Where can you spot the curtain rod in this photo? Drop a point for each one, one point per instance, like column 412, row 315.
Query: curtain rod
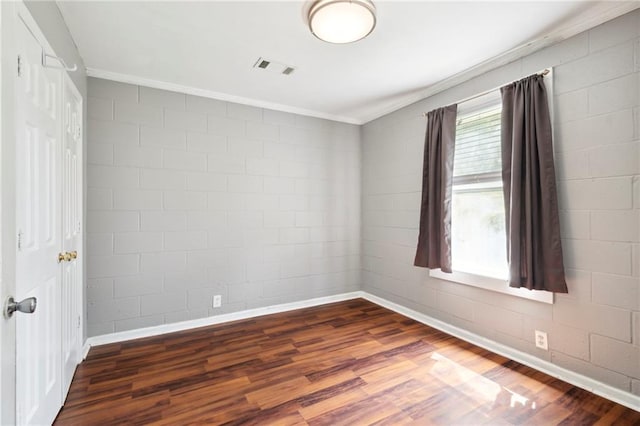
column 541, row 73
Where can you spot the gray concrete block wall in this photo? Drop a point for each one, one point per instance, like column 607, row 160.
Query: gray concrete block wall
column 191, row 197
column 594, row 330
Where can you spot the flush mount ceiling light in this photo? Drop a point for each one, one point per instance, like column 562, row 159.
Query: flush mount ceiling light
column 342, row 21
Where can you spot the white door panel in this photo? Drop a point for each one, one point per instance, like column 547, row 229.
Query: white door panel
column 38, row 214
column 48, row 223
column 71, row 230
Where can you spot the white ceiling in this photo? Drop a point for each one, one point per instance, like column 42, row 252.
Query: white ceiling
column 209, row 48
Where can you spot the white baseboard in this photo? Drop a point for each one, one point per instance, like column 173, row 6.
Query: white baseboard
column 218, row 319
column 625, row 398
column 85, row 350
column 617, row 395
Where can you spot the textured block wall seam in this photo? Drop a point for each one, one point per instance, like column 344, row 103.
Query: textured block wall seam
column 191, row 197
column 595, row 329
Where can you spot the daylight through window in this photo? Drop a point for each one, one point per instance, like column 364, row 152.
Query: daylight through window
column 478, row 222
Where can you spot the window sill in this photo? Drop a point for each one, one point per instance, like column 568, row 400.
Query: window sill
column 492, row 284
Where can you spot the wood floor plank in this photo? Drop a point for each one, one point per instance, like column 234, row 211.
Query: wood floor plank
column 348, row 397
column 346, row 363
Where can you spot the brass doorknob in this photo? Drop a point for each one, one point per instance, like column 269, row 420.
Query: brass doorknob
column 67, row 256
column 64, row 257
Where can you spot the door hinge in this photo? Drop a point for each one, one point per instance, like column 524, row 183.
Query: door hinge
column 19, row 240
column 19, row 66
column 78, row 321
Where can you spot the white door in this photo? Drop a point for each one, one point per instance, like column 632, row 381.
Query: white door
column 38, row 218
column 71, row 230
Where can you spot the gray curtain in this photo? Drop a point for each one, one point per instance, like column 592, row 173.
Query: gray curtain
column 434, row 240
column 534, row 249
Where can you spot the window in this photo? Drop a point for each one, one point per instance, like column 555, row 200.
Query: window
column 478, row 243
column 478, row 227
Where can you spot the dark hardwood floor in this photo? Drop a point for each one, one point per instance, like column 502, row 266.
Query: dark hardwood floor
column 347, row 363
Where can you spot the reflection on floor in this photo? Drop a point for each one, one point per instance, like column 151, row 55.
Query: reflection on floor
column 350, row 363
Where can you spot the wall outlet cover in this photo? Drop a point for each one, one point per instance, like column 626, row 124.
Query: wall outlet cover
column 541, row 340
column 217, row 301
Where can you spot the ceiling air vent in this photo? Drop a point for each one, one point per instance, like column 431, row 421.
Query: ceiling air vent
column 273, row 66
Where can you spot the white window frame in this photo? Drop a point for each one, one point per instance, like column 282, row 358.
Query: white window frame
column 477, row 280
column 492, row 284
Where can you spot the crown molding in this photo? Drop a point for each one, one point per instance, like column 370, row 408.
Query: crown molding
column 602, row 12
column 189, row 90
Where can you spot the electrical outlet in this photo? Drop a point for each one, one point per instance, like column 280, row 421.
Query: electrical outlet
column 217, row 301
column 541, row 340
